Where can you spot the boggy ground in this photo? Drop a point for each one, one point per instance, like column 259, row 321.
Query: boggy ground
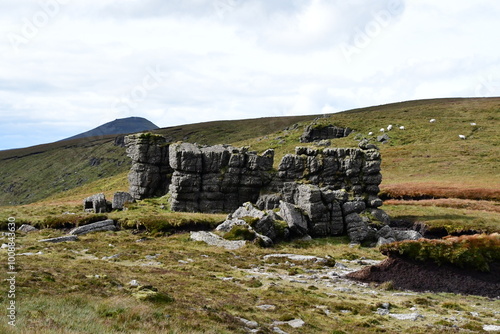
column 428, row 276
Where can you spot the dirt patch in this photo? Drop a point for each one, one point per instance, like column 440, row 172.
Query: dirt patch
column 428, row 276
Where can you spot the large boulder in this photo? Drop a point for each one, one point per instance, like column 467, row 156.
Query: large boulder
column 96, row 203
column 295, row 219
column 105, row 225
column 120, row 198
column 357, row 227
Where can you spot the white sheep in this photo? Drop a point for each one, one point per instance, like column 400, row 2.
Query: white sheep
column 432, row 120
column 370, row 133
column 461, row 136
column 402, row 127
column 389, row 128
column 382, row 130
column 473, row 124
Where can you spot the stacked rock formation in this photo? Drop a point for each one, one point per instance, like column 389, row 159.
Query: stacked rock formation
column 151, row 172
column 331, row 186
column 336, row 189
column 216, row 178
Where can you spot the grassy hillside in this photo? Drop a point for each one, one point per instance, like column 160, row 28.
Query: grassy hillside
column 424, row 160
column 31, row 174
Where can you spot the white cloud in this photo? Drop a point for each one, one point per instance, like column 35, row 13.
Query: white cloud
column 228, row 59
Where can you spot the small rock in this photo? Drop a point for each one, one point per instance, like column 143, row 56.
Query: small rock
column 215, row 240
column 491, row 328
column 278, row 330
column 61, row 239
column 133, row 283
column 296, row 323
column 111, row 257
column 409, row 316
column 267, row 307
column 249, row 323
column 28, row 254
column 382, row 311
column 27, row 228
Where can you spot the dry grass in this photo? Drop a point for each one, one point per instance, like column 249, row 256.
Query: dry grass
column 436, row 189
column 455, row 203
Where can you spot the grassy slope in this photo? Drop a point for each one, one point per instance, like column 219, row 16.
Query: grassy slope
column 69, row 288
column 426, row 159
column 34, row 173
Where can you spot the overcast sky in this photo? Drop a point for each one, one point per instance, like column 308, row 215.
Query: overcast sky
column 67, row 66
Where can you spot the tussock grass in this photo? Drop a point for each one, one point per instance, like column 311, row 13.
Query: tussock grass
column 469, row 251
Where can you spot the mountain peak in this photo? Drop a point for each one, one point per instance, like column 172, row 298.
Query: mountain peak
column 118, row 126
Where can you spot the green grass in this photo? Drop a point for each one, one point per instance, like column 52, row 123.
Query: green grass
column 70, row 289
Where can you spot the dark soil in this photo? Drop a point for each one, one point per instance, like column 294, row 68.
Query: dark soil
column 428, row 276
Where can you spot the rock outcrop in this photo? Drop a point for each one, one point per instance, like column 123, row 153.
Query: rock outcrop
column 318, row 191
column 150, row 174
column 316, row 132
column 217, row 178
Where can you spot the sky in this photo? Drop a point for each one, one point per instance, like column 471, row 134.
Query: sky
column 67, row 66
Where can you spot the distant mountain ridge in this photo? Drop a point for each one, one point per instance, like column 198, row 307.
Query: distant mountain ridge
column 118, row 126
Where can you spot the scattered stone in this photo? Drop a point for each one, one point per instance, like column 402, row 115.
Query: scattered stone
column 248, row 323
column 409, row 316
column 26, row 228
column 298, row 258
column 267, row 307
column 382, row 311
column 61, row 239
column 214, row 240
column 105, row 225
column 133, row 283
column 294, row 323
column 279, row 330
column 491, row 328
column 29, row 253
column 110, row 257
column 383, row 139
